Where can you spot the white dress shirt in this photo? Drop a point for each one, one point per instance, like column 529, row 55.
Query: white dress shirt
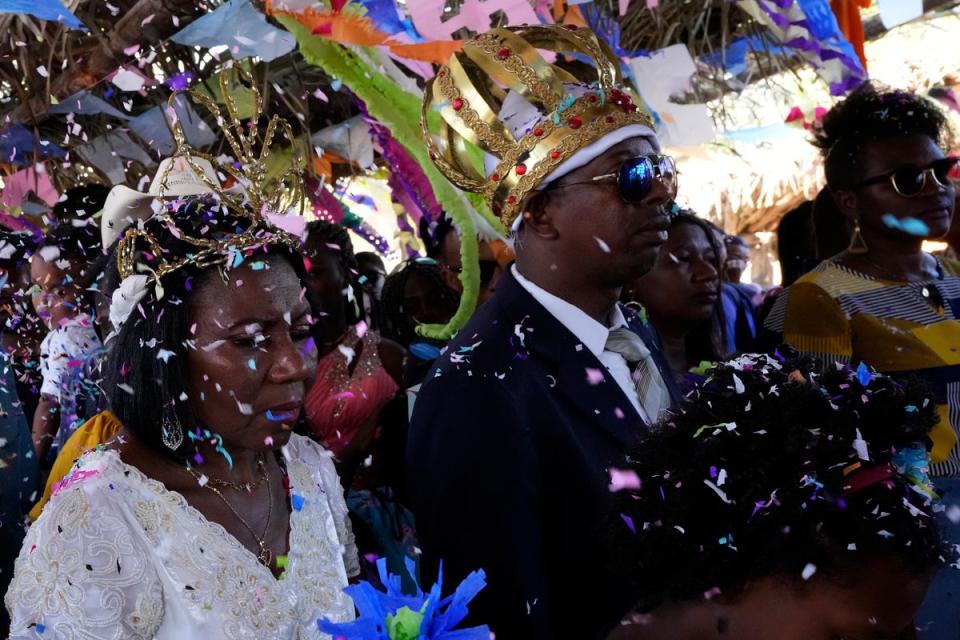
column 591, row 333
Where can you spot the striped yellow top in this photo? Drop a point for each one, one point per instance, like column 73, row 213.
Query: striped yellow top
column 840, row 315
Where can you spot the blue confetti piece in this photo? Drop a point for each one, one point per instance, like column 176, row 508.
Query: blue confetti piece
column 863, row 374
column 41, row 628
column 252, row 364
column 336, row 84
column 258, row 266
column 425, row 351
column 910, row 408
column 908, row 225
column 297, row 502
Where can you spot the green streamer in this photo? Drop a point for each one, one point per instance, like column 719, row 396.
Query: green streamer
column 386, row 101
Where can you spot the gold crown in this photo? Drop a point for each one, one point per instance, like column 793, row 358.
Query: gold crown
column 470, row 90
column 259, row 194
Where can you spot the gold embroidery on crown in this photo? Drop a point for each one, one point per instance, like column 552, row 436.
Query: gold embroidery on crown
column 259, row 193
column 469, row 93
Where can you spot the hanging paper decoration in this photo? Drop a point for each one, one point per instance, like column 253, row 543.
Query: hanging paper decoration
column 351, row 28
column 433, row 23
column 43, row 9
column 406, row 179
column 17, row 147
column 392, row 615
column 399, row 110
column 239, row 26
column 22, row 183
column 405, row 235
column 327, row 207
column 86, row 103
column 830, row 53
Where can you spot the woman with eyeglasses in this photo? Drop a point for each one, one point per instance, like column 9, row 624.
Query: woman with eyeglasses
column 884, row 301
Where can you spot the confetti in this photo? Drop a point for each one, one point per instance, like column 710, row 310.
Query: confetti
column 594, row 376
column 621, row 479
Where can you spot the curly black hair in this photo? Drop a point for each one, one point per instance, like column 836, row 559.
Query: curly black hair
column 869, row 114
column 763, row 474
column 396, row 322
column 322, row 233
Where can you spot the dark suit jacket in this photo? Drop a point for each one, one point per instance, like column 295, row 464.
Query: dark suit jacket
column 507, row 463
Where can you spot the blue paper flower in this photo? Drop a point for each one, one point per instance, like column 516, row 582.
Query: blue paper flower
column 440, row 615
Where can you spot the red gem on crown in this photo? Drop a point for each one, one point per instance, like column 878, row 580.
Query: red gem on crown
column 521, row 169
column 554, row 154
column 538, row 132
column 495, row 177
column 457, row 104
column 576, row 122
column 503, row 54
column 511, row 199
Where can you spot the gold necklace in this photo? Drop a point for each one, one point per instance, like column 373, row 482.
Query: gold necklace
column 265, row 557
column 249, row 487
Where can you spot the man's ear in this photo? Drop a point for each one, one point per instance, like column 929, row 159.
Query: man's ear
column 539, row 215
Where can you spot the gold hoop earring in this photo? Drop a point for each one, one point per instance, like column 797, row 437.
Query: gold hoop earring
column 858, row 245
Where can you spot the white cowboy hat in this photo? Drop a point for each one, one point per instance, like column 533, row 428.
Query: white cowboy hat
column 125, row 205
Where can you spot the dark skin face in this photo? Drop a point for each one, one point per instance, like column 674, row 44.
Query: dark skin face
column 328, row 286
column 452, row 264
column 57, row 296
column 583, row 243
column 737, row 258
column 683, row 287
column 894, row 253
column 252, row 355
column 876, row 604
column 421, row 302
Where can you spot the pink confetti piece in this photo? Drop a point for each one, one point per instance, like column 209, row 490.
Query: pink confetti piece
column 594, row 376
column 74, row 478
column 621, row 479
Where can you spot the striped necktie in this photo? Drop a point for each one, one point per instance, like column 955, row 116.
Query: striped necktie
column 651, row 390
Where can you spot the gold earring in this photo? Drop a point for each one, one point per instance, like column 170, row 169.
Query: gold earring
column 858, row 245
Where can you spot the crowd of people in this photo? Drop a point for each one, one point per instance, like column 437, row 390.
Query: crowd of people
column 211, row 426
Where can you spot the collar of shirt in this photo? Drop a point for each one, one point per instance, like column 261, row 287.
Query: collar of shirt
column 590, row 332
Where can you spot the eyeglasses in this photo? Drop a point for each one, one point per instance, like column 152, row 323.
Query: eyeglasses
column 910, row 182
column 636, row 176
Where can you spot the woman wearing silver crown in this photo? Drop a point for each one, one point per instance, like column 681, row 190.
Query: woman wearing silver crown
column 206, row 517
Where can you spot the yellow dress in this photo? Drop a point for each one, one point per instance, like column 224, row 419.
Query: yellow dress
column 95, row 431
column 840, row 315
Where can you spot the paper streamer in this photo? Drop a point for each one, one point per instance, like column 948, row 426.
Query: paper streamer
column 431, row 22
column 400, row 111
column 239, row 26
column 830, row 54
column 43, row 9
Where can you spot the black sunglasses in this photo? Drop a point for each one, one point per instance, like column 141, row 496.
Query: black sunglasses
column 636, row 176
column 909, row 182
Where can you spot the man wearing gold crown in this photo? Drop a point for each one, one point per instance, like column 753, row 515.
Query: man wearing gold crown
column 515, row 431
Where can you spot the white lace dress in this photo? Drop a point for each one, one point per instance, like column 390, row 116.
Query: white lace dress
column 117, row 555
